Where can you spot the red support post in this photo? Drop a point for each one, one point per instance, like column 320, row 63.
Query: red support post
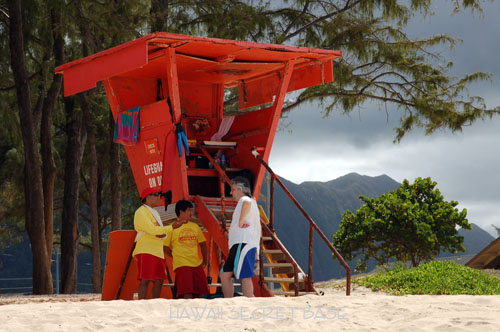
column 175, row 101
column 274, row 120
column 173, row 84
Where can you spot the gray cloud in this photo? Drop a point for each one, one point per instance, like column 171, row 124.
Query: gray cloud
column 465, row 165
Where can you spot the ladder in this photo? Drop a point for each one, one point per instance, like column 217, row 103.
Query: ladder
column 215, row 214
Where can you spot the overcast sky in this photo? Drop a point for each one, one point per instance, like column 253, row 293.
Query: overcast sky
column 465, row 165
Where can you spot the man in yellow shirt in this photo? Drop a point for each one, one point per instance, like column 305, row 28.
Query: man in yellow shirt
column 149, row 244
column 182, row 245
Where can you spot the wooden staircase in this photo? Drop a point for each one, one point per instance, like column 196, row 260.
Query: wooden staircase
column 284, row 269
column 216, row 215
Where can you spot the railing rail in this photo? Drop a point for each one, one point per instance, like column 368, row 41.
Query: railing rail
column 312, row 225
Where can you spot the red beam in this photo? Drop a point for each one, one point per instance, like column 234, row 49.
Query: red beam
column 273, row 125
column 86, row 75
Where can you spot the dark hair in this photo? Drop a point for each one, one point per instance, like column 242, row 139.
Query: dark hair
column 243, row 184
column 182, row 205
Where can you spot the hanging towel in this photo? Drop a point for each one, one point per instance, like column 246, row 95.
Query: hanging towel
column 127, row 127
column 224, row 127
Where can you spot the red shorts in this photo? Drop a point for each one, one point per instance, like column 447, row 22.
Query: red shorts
column 150, row 267
column 191, row 280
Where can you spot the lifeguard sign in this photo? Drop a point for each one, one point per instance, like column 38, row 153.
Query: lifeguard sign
column 176, row 79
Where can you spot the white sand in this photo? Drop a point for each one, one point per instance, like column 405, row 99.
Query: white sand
column 362, row 311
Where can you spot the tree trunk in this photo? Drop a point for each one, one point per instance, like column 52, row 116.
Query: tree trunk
column 69, row 233
column 95, row 232
column 35, row 223
column 94, row 217
column 102, row 220
column 49, row 165
column 115, row 172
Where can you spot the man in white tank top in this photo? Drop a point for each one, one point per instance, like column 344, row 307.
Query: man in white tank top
column 244, row 240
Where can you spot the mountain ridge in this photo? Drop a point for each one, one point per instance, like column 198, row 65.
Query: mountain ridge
column 325, row 202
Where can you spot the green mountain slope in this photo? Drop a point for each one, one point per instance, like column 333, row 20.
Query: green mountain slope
column 326, row 202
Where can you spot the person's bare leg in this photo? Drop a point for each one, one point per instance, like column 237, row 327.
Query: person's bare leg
column 226, row 279
column 143, row 289
column 247, row 287
column 156, row 291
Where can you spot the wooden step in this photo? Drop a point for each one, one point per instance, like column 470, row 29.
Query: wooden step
column 218, row 208
column 280, row 268
column 278, row 265
column 289, row 281
column 217, row 202
column 218, row 212
column 215, row 284
column 267, row 238
column 273, row 251
column 291, row 293
column 276, row 254
column 282, row 280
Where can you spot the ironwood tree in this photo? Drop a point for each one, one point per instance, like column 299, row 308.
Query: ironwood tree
column 411, row 224
column 97, row 26
column 380, row 62
column 42, row 25
column 39, row 176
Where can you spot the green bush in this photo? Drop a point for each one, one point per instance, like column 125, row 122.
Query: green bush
column 434, row 278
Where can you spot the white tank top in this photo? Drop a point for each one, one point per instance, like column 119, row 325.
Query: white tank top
column 249, row 234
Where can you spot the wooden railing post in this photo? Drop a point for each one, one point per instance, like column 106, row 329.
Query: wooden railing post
column 271, row 205
column 295, row 278
column 261, row 262
column 310, row 272
column 222, row 202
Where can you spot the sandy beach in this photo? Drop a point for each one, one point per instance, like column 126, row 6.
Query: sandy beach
column 364, row 310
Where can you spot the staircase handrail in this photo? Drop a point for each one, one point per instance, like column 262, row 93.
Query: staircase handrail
column 312, row 225
column 219, row 169
column 222, row 178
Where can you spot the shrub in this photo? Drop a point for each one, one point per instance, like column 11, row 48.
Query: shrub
column 433, row 278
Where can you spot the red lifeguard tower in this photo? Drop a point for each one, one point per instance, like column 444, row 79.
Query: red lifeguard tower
column 178, row 79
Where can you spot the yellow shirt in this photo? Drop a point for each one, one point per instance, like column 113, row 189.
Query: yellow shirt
column 184, row 244
column 148, row 243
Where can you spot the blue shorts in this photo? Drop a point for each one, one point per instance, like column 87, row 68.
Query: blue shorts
column 241, row 260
